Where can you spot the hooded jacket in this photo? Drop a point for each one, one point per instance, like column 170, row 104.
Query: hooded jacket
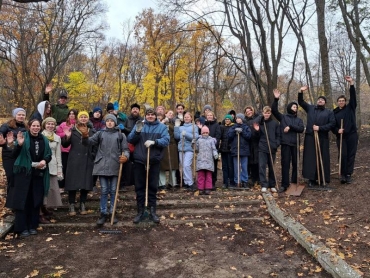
column 189, row 128
column 244, row 137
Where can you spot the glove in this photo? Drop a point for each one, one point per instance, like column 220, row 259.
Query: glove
column 215, row 156
column 60, row 176
column 116, row 105
column 149, row 143
column 181, row 117
column 183, row 133
column 139, row 125
column 238, row 130
column 165, row 120
column 177, row 122
column 121, row 126
column 83, row 129
column 122, row 159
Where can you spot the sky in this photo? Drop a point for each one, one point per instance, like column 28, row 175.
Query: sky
column 120, row 11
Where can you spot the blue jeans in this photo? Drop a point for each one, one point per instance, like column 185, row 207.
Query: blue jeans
column 108, row 186
column 227, row 168
column 243, row 169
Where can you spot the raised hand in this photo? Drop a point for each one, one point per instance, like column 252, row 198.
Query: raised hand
column 2, row 139
column 48, row 88
column 177, row 122
column 83, row 129
column 20, row 138
column 276, row 93
column 10, row 138
column 304, row 88
column 139, row 126
column 256, row 126
column 67, row 132
column 349, row 79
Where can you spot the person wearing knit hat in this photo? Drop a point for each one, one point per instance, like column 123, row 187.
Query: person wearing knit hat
column 47, row 120
column 17, row 110
column 322, row 97
column 240, row 116
column 207, row 155
column 80, row 155
column 320, row 121
column 227, row 159
column 135, row 105
column 290, row 127
column 97, row 119
column 111, row 117
column 150, row 111
column 207, row 107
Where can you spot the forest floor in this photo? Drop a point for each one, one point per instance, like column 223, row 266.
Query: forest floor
column 226, row 234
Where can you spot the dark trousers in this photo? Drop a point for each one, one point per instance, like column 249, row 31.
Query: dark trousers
column 288, row 154
column 349, row 149
column 265, row 160
column 214, row 174
column 140, row 183
column 72, row 196
column 28, row 218
column 64, row 165
column 8, row 167
column 253, row 172
column 227, row 168
column 127, row 175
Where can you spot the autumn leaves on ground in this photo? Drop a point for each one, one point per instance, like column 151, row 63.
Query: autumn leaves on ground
column 218, row 237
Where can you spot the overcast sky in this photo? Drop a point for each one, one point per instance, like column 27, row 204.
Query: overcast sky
column 121, row 10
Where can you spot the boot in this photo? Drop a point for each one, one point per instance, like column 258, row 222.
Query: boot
column 83, row 209
column 139, row 216
column 102, row 219
column 72, row 211
column 153, row 216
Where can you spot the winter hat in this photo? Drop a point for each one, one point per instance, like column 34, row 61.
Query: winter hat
column 63, row 93
column 135, row 105
column 97, row 109
column 111, row 117
column 150, row 111
column 232, row 112
column 240, row 116
column 207, row 106
column 83, row 113
column 323, row 97
column 16, row 110
column 204, row 129
column 228, row 117
column 48, row 119
column 110, row 106
column 289, row 108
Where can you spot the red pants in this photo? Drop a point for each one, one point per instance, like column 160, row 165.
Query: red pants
column 204, row 180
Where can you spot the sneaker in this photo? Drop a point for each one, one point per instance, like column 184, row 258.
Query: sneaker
column 72, row 211
column 207, row 192
column 83, row 209
column 245, row 185
column 201, row 192
column 343, row 179
column 264, row 190
column 24, row 234
column 348, row 179
column 32, row 232
column 282, row 189
column 273, row 190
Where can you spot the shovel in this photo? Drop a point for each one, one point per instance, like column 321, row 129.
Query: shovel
column 116, row 196
column 146, row 213
column 295, row 189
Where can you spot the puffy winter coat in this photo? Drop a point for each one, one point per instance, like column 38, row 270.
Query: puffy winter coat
column 244, row 138
column 224, row 144
column 206, row 152
column 155, row 131
column 189, row 128
column 13, row 126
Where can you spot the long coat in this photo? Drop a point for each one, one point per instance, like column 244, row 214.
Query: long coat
column 324, row 118
column 165, row 163
column 206, row 151
column 55, row 165
column 254, row 140
column 80, row 162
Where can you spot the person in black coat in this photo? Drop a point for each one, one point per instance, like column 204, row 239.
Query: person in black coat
column 227, row 159
column 321, row 120
column 347, row 113
column 290, row 126
column 267, row 148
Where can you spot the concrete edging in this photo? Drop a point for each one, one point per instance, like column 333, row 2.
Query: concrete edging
column 330, row 261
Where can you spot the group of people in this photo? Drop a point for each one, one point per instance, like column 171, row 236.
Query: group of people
column 62, row 148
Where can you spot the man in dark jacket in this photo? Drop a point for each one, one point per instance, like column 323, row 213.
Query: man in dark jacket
column 148, row 136
column 320, row 120
column 345, row 119
column 290, row 126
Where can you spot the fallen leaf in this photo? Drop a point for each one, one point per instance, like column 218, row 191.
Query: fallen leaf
column 217, row 207
column 189, row 224
column 49, row 239
column 194, row 252
column 171, row 215
column 289, row 253
column 232, row 267
column 318, row 269
column 59, row 267
column 300, row 274
column 34, row 273
column 238, row 228
column 114, row 258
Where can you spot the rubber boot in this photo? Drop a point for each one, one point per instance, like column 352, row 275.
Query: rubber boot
column 153, row 216
column 83, row 209
column 72, row 211
column 139, row 216
column 102, row 219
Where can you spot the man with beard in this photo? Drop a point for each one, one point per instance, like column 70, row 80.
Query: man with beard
column 127, row 178
column 320, row 120
column 290, row 126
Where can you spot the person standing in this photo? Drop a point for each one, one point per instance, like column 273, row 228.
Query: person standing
column 97, row 119
column 187, row 134
column 148, row 136
column 346, row 113
column 31, row 178
column 80, row 162
column 320, row 120
column 43, row 111
column 290, row 126
column 240, row 129
column 226, row 157
column 59, row 110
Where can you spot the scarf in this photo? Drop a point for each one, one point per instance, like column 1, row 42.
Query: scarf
column 23, row 161
column 49, row 135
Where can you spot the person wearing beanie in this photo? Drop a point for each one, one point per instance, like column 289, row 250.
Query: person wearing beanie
column 53, row 198
column 320, row 120
column 59, row 110
column 97, row 119
column 113, row 108
column 135, row 105
column 227, row 159
column 14, row 125
column 346, row 127
column 206, row 108
column 290, row 127
column 80, row 162
column 186, row 135
column 239, row 135
column 107, row 163
column 148, row 137
column 207, row 155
